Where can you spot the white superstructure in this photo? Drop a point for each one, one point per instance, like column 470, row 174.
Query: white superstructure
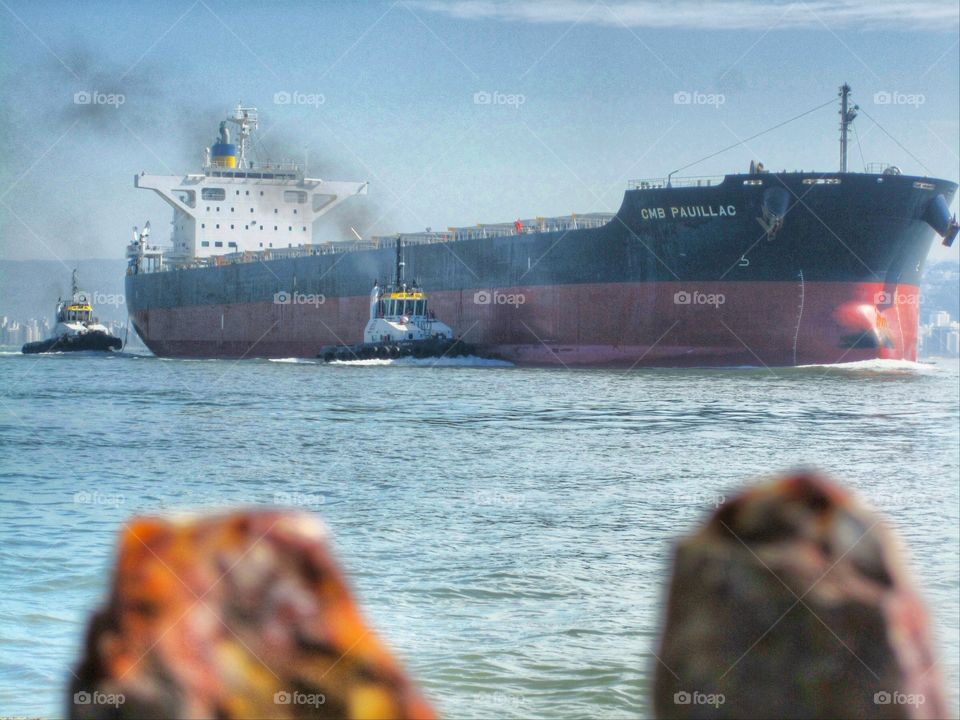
column 236, row 205
column 75, row 316
column 399, row 314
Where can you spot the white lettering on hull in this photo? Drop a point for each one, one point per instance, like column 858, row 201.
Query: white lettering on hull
column 688, row 211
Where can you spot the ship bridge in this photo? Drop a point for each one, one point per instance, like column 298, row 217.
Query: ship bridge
column 236, row 205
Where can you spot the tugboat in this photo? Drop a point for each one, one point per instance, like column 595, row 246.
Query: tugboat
column 76, row 328
column 400, row 325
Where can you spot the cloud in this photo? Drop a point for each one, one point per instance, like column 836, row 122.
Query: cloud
column 703, row 15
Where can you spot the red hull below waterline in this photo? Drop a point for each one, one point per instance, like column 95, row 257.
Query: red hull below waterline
column 621, row 325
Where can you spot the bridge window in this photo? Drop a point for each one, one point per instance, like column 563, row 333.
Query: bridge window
column 218, row 243
column 213, row 194
column 205, row 243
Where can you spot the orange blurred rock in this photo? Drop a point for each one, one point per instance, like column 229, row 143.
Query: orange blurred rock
column 792, row 602
column 237, row 616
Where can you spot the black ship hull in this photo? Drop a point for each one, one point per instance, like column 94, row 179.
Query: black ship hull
column 773, row 269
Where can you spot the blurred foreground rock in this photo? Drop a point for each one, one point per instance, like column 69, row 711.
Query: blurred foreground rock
column 238, row 616
column 792, row 602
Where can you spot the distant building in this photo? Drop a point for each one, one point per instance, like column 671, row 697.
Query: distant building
column 31, row 331
column 14, row 333
column 941, row 338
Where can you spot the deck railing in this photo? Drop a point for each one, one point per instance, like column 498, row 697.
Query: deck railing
column 666, row 182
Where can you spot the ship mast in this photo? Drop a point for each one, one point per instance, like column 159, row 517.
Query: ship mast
column 399, row 282
column 246, row 120
column 847, row 115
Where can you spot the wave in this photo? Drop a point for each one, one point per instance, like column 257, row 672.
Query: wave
column 463, row 361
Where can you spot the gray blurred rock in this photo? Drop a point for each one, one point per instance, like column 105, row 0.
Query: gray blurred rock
column 792, row 602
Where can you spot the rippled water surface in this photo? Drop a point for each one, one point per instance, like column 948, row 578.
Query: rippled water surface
column 507, row 530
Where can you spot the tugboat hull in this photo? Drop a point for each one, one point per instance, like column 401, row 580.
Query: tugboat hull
column 91, row 341
column 427, row 348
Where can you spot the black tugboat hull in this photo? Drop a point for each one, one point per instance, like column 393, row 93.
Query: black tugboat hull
column 430, row 348
column 91, row 341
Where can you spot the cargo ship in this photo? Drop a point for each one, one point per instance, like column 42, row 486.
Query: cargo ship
column 758, row 268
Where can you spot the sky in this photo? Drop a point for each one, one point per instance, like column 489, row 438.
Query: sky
column 456, row 112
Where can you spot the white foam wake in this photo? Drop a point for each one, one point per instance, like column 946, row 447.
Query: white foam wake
column 464, row 361
column 879, row 365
